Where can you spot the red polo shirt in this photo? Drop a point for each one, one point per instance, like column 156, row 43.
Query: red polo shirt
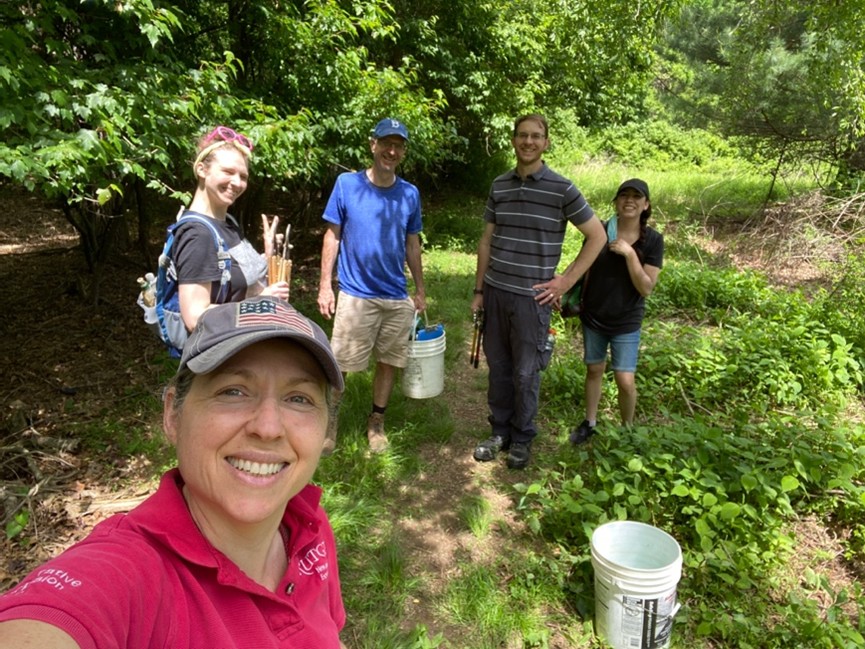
column 150, row 579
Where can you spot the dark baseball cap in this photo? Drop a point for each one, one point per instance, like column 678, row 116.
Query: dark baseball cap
column 225, row 329
column 389, row 126
column 634, row 183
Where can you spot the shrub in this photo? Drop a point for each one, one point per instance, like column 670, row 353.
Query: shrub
column 841, row 307
column 659, row 144
column 725, row 489
column 706, row 293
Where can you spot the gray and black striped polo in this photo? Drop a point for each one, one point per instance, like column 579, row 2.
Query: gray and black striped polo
column 530, row 216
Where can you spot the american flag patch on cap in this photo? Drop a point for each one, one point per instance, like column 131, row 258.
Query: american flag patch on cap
column 269, row 313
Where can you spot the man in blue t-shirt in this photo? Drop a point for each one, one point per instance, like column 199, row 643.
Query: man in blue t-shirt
column 373, row 224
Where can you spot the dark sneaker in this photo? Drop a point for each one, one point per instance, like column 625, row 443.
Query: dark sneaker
column 581, row 433
column 519, row 456
column 489, row 448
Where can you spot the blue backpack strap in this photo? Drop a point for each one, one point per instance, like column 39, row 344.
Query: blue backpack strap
column 163, row 272
column 166, row 291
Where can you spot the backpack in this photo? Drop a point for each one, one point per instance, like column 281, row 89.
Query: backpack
column 572, row 299
column 159, row 296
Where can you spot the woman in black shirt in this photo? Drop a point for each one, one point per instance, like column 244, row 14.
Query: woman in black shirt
column 613, row 302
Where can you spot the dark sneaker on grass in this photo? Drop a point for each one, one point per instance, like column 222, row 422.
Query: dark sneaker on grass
column 519, row 456
column 489, row 448
column 581, row 433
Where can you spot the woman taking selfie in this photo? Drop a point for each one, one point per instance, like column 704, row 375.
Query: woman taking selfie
column 233, row 549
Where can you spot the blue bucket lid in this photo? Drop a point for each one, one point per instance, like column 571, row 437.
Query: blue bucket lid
column 431, row 332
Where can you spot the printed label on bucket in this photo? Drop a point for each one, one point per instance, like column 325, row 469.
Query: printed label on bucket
column 647, row 623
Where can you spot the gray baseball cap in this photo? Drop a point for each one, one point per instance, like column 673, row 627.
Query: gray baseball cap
column 225, row 329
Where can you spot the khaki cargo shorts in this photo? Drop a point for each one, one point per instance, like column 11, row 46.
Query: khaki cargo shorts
column 366, row 326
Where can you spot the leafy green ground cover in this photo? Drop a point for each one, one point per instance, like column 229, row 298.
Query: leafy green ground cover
column 748, row 422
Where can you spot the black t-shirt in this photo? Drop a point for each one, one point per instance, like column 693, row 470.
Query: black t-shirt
column 611, row 304
column 195, row 257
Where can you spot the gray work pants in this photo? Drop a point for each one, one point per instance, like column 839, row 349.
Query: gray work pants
column 515, row 335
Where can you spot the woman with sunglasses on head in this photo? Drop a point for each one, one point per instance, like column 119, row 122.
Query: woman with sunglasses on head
column 221, row 170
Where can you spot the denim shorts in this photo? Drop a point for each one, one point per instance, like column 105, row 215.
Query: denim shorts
column 624, row 349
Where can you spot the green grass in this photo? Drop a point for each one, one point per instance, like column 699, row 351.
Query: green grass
column 539, row 587
column 715, row 457
column 475, row 514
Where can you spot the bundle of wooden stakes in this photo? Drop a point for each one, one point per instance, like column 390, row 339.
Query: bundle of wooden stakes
column 279, row 262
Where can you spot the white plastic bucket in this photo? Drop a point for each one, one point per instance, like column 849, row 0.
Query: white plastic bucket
column 424, row 375
column 637, row 568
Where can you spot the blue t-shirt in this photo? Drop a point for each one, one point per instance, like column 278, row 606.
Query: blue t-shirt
column 374, row 223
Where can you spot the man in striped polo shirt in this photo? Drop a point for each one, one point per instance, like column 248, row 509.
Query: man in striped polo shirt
column 516, row 283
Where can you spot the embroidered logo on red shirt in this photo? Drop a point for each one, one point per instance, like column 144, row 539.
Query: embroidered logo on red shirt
column 314, row 562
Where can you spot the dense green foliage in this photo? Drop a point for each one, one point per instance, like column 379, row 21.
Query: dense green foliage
column 101, row 101
column 727, row 490
column 306, row 79
column 786, row 76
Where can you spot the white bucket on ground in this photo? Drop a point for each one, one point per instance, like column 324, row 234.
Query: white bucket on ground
column 637, row 568
column 424, row 375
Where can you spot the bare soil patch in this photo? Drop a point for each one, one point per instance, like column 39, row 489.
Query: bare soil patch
column 65, row 362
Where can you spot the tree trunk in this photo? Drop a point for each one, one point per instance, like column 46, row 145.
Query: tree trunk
column 100, row 234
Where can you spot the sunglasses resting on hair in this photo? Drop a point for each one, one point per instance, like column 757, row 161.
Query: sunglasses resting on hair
column 228, row 135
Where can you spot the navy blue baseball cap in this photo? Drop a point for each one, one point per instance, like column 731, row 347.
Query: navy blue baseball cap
column 389, row 126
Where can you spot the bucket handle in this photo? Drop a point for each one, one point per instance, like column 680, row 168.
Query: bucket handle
column 413, row 335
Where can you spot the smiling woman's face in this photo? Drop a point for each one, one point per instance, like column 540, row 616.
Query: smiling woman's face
column 225, row 175
column 249, row 434
column 630, row 203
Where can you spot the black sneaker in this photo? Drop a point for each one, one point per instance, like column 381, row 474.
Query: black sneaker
column 489, row 448
column 581, row 433
column 519, row 456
